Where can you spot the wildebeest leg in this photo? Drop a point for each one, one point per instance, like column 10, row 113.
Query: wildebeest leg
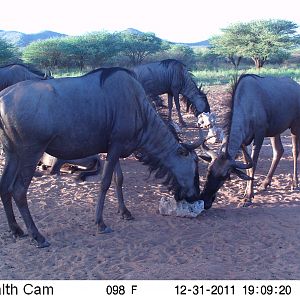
column 295, row 143
column 118, row 179
column 109, row 165
column 277, row 154
column 170, row 106
column 177, row 104
column 6, row 182
column 249, row 194
column 25, row 172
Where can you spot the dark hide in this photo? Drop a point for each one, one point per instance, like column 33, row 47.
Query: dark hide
column 172, row 77
column 261, row 107
column 14, row 73
column 106, row 111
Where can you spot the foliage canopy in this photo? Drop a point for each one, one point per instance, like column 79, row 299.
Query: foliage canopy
column 259, row 40
column 7, row 52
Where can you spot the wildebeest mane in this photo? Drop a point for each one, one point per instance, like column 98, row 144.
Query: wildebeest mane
column 166, row 120
column 230, row 104
column 107, row 72
column 30, row 68
column 187, row 102
column 166, row 62
column 152, row 158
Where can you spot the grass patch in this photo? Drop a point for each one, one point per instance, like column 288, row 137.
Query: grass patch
column 224, row 76
column 215, row 77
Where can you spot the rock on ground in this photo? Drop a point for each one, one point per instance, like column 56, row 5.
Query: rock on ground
column 168, row 206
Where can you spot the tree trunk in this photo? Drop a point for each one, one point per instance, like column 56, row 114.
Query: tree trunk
column 235, row 60
column 259, row 62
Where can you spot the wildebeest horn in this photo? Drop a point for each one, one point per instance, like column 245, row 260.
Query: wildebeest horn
column 240, row 165
column 223, row 145
column 208, row 151
column 198, row 143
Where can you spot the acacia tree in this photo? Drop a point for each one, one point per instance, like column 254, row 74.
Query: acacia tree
column 259, row 40
column 102, row 47
column 229, row 44
column 7, row 52
column 92, row 50
column 137, row 46
column 45, row 53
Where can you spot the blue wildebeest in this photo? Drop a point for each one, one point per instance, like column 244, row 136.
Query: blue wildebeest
column 172, row 77
column 104, row 111
column 13, row 73
column 261, row 107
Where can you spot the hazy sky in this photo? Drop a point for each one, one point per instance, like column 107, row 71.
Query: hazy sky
column 178, row 21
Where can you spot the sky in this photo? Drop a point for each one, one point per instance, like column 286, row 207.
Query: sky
column 172, row 20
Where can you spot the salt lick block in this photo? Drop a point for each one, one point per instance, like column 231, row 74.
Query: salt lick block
column 168, row 206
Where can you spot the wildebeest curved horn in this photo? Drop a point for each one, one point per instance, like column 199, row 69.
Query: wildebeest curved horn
column 208, row 151
column 223, row 145
column 242, row 166
column 198, row 143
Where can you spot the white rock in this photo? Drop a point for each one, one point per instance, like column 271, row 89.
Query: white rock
column 168, row 206
column 215, row 135
column 206, row 120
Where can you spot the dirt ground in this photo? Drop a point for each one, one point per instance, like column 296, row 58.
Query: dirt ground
column 225, row 242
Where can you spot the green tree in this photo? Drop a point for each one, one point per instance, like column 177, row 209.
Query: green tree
column 206, row 59
column 137, row 46
column 45, row 53
column 89, row 50
column 259, row 40
column 102, row 47
column 8, row 52
column 229, row 44
column 182, row 53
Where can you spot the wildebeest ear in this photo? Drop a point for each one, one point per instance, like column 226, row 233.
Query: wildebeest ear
column 205, row 158
column 182, row 151
column 241, row 174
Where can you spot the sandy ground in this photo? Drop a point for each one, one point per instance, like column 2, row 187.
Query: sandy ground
column 225, row 242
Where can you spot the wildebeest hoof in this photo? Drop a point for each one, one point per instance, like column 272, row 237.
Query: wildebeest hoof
column 247, row 204
column 104, row 230
column 127, row 216
column 264, row 185
column 43, row 244
column 19, row 233
column 20, row 236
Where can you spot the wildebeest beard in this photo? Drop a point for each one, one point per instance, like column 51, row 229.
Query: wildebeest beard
column 155, row 165
column 160, row 172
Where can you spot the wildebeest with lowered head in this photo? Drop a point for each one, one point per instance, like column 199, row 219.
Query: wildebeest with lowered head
column 104, row 111
column 261, row 107
column 13, row 73
column 172, row 77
